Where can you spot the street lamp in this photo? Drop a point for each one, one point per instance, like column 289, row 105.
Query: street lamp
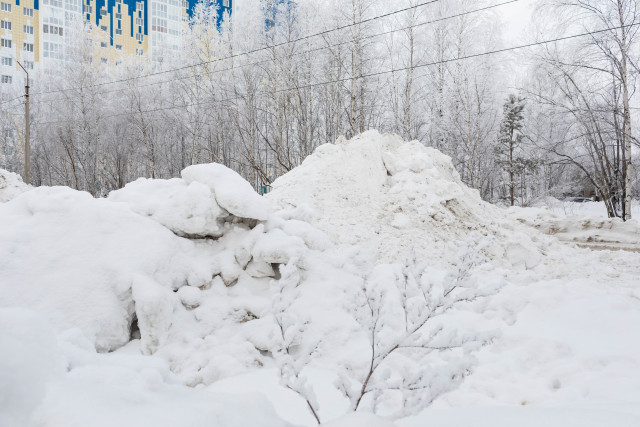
column 26, row 127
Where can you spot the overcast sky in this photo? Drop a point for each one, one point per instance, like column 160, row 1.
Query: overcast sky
column 516, row 16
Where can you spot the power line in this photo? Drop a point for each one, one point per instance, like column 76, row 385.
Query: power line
column 461, row 58
column 11, row 100
column 458, row 15
column 273, row 46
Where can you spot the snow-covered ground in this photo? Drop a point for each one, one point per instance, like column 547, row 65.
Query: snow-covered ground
column 196, row 302
column 583, row 224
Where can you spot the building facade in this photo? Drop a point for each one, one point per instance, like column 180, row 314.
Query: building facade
column 43, row 31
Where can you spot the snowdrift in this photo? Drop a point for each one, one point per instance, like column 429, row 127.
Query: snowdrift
column 394, row 198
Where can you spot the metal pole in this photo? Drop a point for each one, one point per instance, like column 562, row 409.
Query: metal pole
column 27, row 148
column 27, row 144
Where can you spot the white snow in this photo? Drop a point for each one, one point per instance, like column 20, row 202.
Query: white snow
column 75, row 258
column 394, row 198
column 196, row 263
column 584, row 224
column 11, row 185
column 185, row 209
column 231, row 191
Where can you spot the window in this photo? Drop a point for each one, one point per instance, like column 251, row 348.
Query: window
column 118, row 16
column 5, row 25
column 6, row 43
column 27, row 11
column 139, row 52
column 5, row 7
column 56, row 3
column 8, row 141
column 28, row 47
column 52, row 29
column 6, row 60
column 103, row 12
column 103, row 44
column 225, row 3
column 139, row 22
column 103, row 60
column 28, row 29
column 118, row 63
column 139, row 5
column 28, row 65
column 87, row 8
column 118, row 31
column 6, row 79
column 103, row 27
column 118, row 47
column 138, row 37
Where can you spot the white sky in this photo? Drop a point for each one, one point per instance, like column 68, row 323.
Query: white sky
column 516, row 16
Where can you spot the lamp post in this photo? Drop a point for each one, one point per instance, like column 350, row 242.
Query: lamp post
column 27, row 161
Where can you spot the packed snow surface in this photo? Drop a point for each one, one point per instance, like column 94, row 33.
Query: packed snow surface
column 584, row 224
column 173, row 302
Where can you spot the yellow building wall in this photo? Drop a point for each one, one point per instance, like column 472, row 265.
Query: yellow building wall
column 18, row 37
column 129, row 43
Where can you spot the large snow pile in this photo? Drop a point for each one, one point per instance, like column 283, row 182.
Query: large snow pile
column 194, row 301
column 394, row 197
column 11, row 185
column 116, row 275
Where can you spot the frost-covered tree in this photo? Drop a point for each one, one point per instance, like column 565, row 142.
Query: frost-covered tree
column 509, row 147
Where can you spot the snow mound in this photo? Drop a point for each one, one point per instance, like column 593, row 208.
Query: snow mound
column 393, row 197
column 75, row 258
column 11, row 185
column 198, row 205
column 120, row 271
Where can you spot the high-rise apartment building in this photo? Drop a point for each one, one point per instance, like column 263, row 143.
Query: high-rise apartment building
column 42, row 31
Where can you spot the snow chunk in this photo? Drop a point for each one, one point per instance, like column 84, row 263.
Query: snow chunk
column 231, row 191
column 276, row 247
column 190, row 296
column 186, row 209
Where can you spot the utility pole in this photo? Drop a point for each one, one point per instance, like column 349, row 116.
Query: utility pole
column 27, row 148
